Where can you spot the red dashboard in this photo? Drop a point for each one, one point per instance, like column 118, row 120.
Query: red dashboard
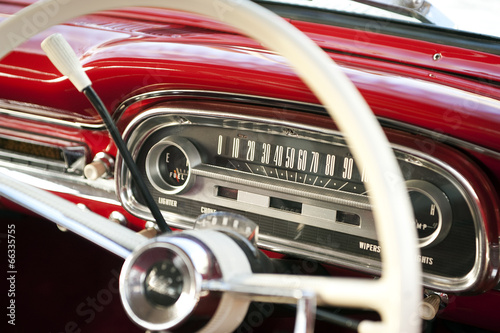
column 165, row 75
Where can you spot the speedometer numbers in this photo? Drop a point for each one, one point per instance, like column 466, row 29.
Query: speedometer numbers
column 322, row 165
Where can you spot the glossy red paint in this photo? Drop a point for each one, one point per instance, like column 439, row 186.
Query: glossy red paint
column 147, row 50
column 393, row 49
column 217, row 62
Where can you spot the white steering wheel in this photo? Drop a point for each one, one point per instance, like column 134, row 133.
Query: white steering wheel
column 397, row 293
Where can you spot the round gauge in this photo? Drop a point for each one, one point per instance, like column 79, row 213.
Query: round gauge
column 164, row 283
column 173, row 166
column 427, row 214
column 432, row 212
column 169, row 164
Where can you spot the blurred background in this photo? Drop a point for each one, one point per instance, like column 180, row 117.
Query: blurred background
column 481, row 16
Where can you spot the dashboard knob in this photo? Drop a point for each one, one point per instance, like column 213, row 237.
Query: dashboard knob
column 429, row 307
column 95, row 170
column 238, row 223
column 101, row 167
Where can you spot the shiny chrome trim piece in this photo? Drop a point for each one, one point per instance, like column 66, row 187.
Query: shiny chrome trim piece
column 50, row 120
column 205, row 185
column 484, row 247
column 199, row 258
column 253, row 99
column 310, row 107
column 438, row 137
column 152, row 161
column 181, row 253
column 74, row 155
column 94, row 227
column 58, row 176
column 257, row 181
column 305, row 300
column 176, row 116
column 101, row 190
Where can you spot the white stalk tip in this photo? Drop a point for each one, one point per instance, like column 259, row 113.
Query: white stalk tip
column 64, row 58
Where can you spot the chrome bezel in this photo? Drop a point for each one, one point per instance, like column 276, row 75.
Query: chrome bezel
column 152, row 161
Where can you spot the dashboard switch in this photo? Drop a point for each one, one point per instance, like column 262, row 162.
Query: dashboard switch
column 429, row 307
column 118, row 217
column 101, row 167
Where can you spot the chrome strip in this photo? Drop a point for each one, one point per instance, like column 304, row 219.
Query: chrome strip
column 256, row 181
column 303, row 106
column 265, row 101
column 269, row 101
column 74, row 156
column 102, row 190
column 50, row 120
column 135, row 135
column 109, row 235
column 438, row 137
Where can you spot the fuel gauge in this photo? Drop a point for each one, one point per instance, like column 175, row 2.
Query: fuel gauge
column 173, row 166
column 169, row 163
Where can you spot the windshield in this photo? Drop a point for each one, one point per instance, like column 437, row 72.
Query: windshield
column 478, row 16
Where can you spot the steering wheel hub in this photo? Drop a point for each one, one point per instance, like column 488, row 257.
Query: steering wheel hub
column 162, row 282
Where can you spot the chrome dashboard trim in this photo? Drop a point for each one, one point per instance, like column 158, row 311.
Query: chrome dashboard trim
column 295, row 105
column 344, row 199
column 483, row 252
column 49, row 120
column 438, row 137
column 122, row 108
column 484, row 259
column 102, row 190
column 315, row 108
column 73, row 156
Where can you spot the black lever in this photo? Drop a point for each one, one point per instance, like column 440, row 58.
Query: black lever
column 64, row 58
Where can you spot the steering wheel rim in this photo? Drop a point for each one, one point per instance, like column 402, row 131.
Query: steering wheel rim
column 396, row 294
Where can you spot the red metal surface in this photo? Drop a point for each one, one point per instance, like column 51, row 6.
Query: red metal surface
column 456, row 96
column 228, row 62
column 394, row 49
column 479, row 311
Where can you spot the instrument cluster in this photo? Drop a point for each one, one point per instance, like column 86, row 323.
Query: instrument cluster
column 302, row 187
